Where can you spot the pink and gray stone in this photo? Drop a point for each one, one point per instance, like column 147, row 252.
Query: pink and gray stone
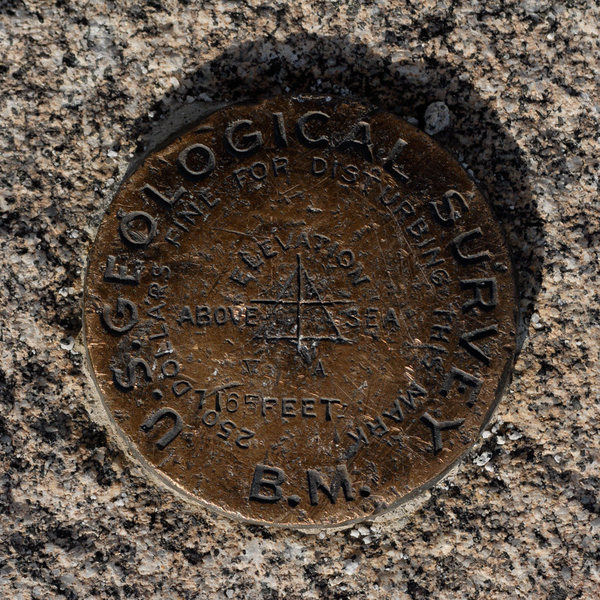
column 510, row 88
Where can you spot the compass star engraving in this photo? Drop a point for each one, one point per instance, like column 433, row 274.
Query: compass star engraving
column 288, row 317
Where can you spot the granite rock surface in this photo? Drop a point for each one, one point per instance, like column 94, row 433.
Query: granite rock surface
column 86, row 86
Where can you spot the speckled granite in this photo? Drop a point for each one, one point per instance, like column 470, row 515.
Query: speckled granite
column 85, row 85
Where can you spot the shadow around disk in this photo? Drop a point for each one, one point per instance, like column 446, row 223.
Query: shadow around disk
column 307, row 63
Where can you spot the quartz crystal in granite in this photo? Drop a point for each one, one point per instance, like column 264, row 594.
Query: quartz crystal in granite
column 86, row 86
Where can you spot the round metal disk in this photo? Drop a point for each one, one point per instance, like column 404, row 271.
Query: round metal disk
column 300, row 311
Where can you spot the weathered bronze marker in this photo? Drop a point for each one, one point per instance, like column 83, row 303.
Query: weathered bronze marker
column 300, row 311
